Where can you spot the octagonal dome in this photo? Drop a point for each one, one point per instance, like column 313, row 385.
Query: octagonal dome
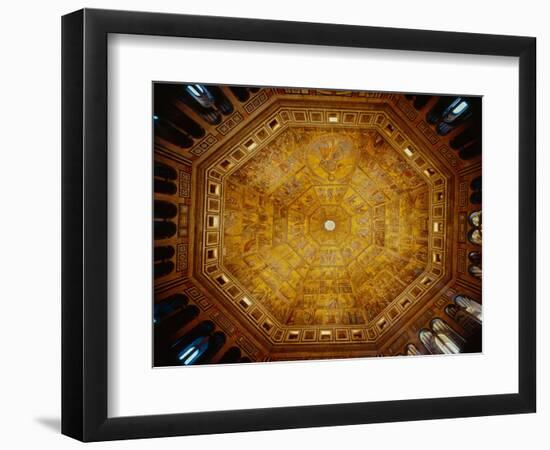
column 278, row 248
column 301, row 223
column 315, row 228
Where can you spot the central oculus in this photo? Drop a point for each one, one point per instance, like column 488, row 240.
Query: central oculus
column 323, row 229
column 330, row 225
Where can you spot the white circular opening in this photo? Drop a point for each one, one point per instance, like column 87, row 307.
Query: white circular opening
column 330, row 225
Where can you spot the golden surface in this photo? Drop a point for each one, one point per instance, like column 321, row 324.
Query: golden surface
column 264, row 250
column 320, row 224
column 275, row 242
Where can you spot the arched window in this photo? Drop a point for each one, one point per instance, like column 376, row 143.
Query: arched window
column 167, row 306
column 469, row 323
column 222, row 102
column 428, row 340
column 435, row 114
column 168, row 132
column 453, row 312
column 197, row 346
column 460, row 108
column 201, row 94
column 193, row 351
column 215, row 343
column 442, row 339
column 447, row 345
column 166, row 324
column 165, row 108
column 475, row 270
column 200, row 99
column 448, row 340
column 411, row 350
column 475, row 218
column 475, row 257
column 469, row 305
column 457, row 109
column 475, row 236
column 196, row 90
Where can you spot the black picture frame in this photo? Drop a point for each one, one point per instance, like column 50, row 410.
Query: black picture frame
column 84, row 224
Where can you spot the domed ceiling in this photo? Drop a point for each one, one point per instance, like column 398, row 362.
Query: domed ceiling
column 322, row 221
column 304, row 227
column 295, row 223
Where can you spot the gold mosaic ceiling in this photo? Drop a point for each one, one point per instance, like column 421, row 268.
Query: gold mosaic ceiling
column 305, row 224
column 322, row 222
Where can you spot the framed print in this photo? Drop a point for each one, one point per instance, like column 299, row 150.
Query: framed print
column 276, row 225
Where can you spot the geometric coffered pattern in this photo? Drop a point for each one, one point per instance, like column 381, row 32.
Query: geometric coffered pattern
column 323, row 222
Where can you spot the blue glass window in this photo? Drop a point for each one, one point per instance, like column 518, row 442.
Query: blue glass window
column 189, row 355
column 196, row 90
column 457, row 110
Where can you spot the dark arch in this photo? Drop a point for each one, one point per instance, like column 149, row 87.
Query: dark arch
column 202, row 329
column 178, row 118
column 164, row 252
column 164, row 354
column 233, row 355
column 460, row 110
column 475, row 198
column 467, row 321
column 222, row 102
column 473, row 307
column 165, row 187
column 427, row 339
column 434, row 115
column 241, row 93
column 442, row 329
column 200, row 99
column 474, row 257
column 163, row 268
column 470, row 151
column 215, row 343
column 420, row 101
column 464, row 137
column 168, row 132
column 168, row 325
column 165, row 95
column 164, row 171
column 167, row 306
column 165, row 210
column 475, row 184
column 164, row 230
